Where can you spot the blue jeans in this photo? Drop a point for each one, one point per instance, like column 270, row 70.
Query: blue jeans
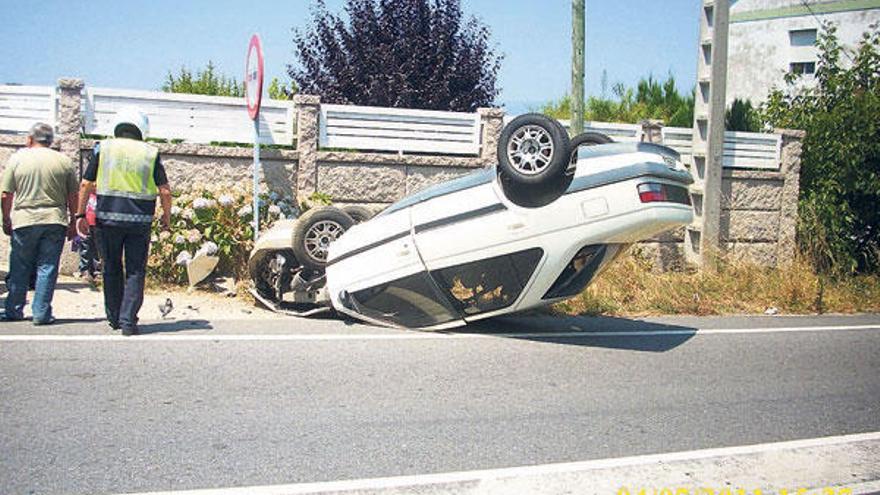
column 35, row 249
column 88, row 253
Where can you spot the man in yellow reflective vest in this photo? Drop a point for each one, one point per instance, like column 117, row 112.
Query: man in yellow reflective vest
column 129, row 176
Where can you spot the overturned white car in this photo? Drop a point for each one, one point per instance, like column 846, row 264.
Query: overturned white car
column 534, row 230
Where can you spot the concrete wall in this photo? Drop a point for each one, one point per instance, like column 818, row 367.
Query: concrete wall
column 760, row 51
column 191, row 166
column 759, row 209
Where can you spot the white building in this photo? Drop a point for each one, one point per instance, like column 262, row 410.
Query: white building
column 769, row 38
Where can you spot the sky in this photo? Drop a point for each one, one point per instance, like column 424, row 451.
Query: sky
column 125, row 44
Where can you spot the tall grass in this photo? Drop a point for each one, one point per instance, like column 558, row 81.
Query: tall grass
column 632, row 287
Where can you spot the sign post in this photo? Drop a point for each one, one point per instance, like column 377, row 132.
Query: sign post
column 253, row 90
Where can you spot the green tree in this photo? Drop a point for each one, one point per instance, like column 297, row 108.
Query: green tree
column 281, row 91
column 651, row 99
column 840, row 162
column 205, row 82
column 742, row 116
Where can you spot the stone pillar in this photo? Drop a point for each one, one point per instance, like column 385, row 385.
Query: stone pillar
column 308, row 109
column 69, row 126
column 492, row 120
column 652, row 130
column 792, row 143
column 69, row 121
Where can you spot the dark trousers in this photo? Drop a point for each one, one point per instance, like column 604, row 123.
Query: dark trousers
column 35, row 249
column 123, row 290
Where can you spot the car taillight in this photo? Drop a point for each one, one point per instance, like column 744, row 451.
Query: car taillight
column 653, row 192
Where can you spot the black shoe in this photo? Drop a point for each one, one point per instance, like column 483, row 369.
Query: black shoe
column 47, row 321
column 114, row 325
column 5, row 317
column 129, row 331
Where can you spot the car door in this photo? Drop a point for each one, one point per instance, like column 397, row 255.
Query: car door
column 478, row 250
column 375, row 271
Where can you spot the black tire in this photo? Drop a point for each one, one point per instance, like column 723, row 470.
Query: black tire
column 313, row 233
column 265, row 279
column 534, row 150
column 358, row 213
column 589, row 138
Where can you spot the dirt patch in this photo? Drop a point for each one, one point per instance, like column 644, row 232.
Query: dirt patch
column 76, row 298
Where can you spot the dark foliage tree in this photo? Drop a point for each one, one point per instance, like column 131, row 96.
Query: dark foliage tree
column 397, row 53
column 742, row 116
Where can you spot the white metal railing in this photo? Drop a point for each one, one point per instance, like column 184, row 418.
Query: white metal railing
column 23, row 106
column 681, row 139
column 752, row 150
column 192, row 118
column 203, row 119
column 399, row 130
column 616, row 131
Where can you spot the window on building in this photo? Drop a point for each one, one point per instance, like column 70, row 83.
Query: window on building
column 802, row 37
column 803, row 68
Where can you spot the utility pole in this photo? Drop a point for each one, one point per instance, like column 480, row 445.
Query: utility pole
column 577, row 67
column 702, row 242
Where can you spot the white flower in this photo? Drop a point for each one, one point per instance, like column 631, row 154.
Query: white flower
column 179, row 239
column 226, row 200
column 193, row 236
column 245, row 211
column 201, row 203
column 164, row 235
column 274, row 210
column 183, row 257
column 208, row 248
column 175, row 210
column 188, row 214
column 154, row 238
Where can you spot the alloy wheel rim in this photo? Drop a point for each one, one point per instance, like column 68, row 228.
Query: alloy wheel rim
column 530, row 149
column 319, row 236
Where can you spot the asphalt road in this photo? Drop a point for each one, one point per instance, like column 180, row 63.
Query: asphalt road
column 201, row 405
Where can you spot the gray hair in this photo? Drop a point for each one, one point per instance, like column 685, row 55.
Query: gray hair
column 42, row 133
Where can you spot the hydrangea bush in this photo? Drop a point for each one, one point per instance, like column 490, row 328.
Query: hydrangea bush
column 214, row 221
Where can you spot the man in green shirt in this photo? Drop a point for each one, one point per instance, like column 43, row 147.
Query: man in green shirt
column 39, row 195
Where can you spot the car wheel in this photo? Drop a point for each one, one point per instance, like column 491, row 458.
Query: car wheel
column 534, row 150
column 314, row 232
column 358, row 213
column 589, row 138
column 271, row 273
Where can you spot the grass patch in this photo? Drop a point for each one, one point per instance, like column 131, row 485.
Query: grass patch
column 631, row 287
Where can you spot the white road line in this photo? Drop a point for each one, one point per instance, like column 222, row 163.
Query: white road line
column 526, row 471
column 415, row 335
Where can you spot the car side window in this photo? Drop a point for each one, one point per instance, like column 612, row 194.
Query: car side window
column 489, row 284
column 412, row 301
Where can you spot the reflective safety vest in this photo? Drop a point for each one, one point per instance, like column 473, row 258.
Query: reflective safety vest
column 126, row 187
